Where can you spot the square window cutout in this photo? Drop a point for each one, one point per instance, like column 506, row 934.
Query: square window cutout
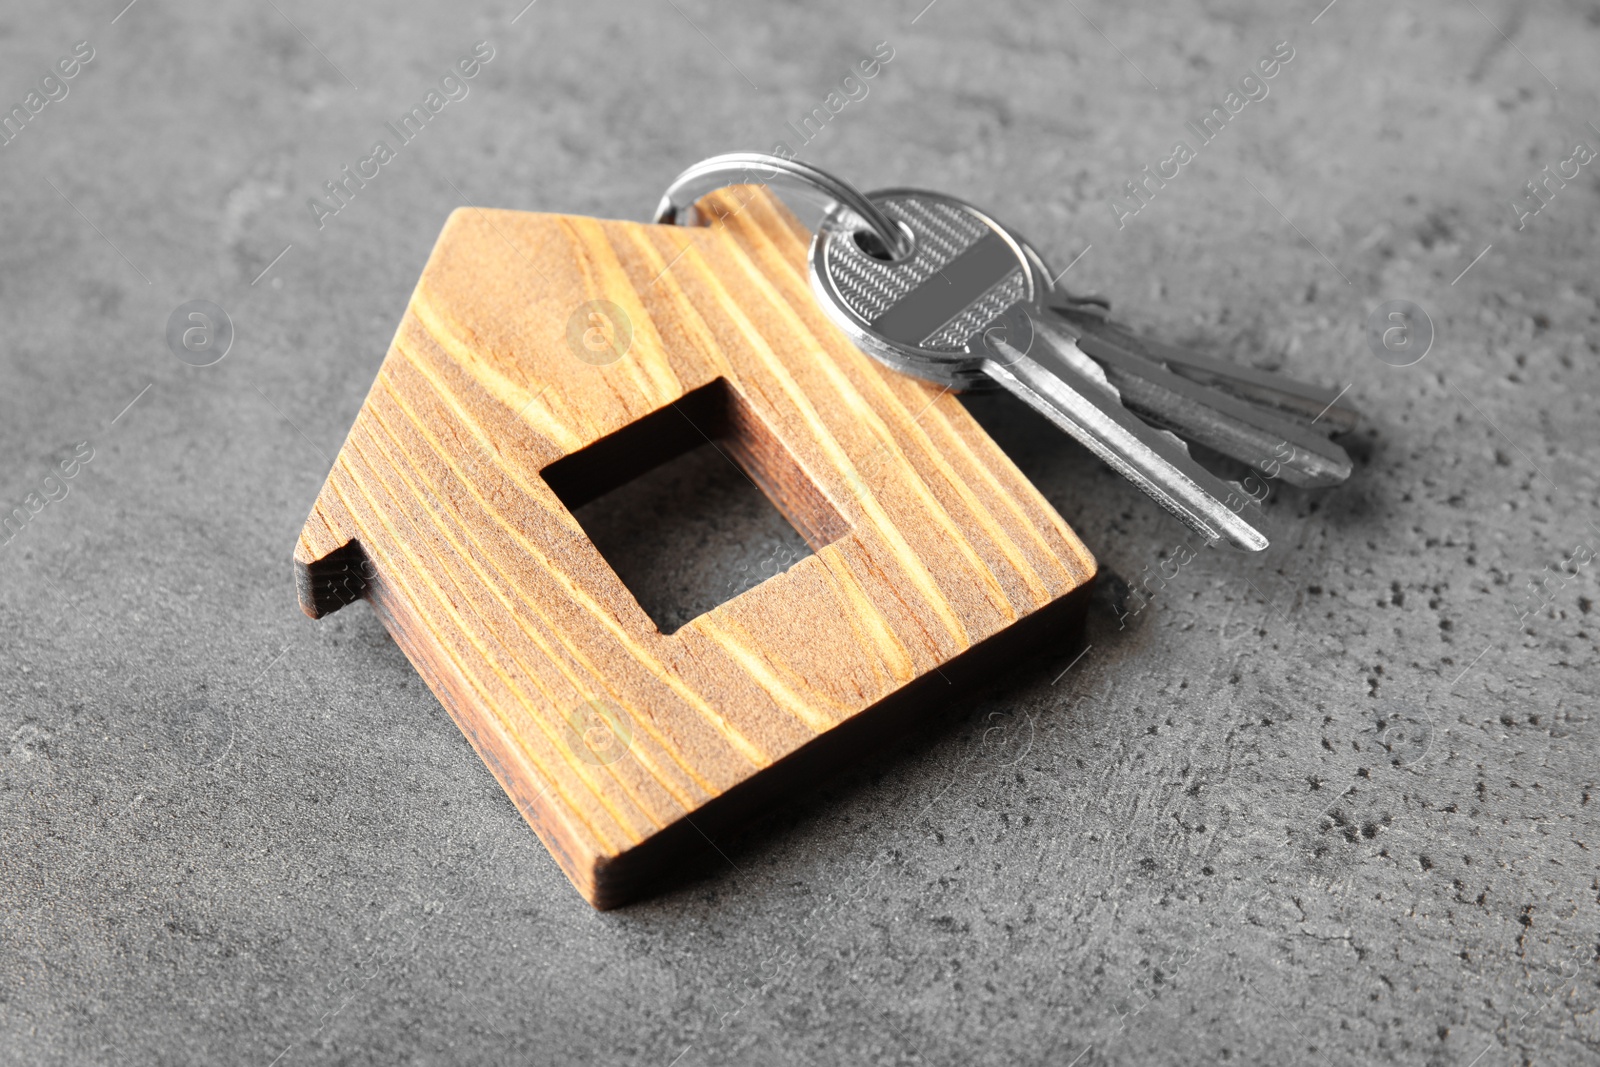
column 694, row 504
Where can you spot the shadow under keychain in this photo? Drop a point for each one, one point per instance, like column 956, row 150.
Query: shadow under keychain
column 544, row 360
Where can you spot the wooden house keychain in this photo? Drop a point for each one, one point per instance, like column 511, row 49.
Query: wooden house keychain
column 544, row 360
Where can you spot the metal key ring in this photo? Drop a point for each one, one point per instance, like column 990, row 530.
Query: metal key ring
column 757, row 168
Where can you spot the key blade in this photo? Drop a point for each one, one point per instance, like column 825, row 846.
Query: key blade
column 1311, row 404
column 1150, row 459
column 1273, row 445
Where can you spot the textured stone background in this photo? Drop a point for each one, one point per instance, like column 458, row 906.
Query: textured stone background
column 231, row 835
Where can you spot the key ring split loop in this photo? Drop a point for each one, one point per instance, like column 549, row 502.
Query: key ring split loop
column 757, row 168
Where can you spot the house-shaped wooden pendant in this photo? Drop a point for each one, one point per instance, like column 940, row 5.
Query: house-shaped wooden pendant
column 546, row 359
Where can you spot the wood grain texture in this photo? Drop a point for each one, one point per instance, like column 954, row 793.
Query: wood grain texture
column 448, row 509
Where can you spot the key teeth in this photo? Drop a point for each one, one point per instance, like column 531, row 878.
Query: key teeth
column 1072, row 354
column 1175, row 439
column 1094, row 306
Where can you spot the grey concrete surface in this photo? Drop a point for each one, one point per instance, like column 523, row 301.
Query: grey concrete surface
column 1330, row 805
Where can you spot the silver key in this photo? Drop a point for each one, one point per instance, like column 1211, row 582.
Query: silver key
column 964, row 307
